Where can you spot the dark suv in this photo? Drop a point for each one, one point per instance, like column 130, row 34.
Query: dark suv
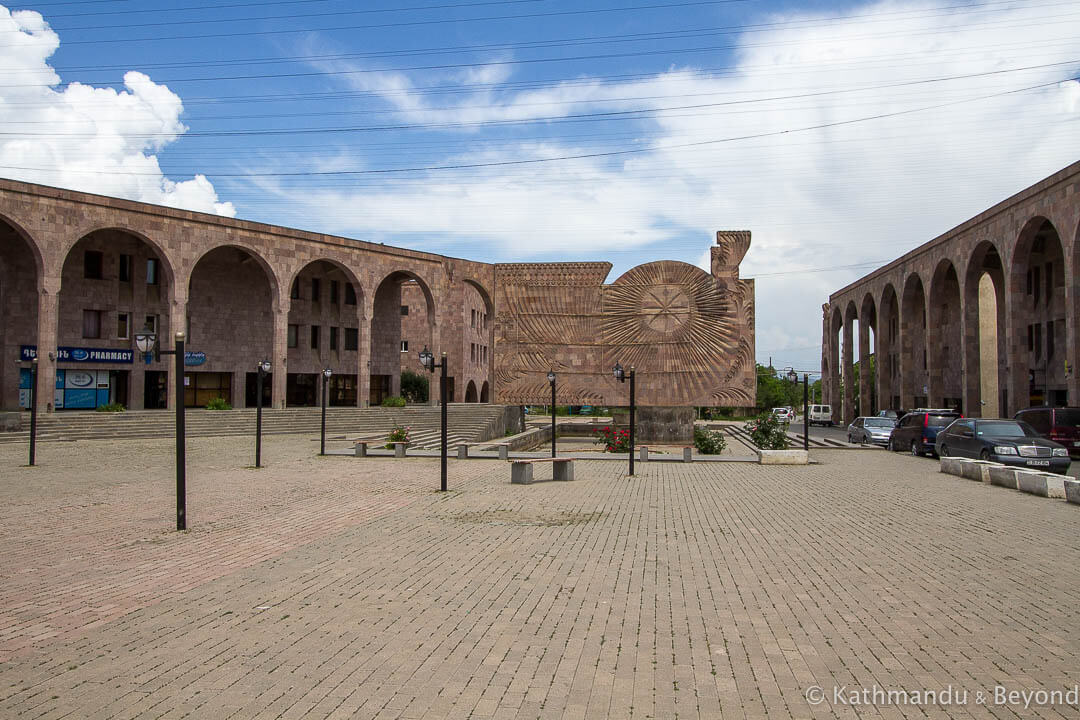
column 1060, row 424
column 917, row 431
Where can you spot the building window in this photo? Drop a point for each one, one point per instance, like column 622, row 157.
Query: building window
column 124, row 268
column 333, row 292
column 92, row 262
column 352, row 339
column 1038, row 340
column 314, row 337
column 123, row 326
column 91, row 323
column 152, row 271
column 295, row 292
column 151, row 323
column 294, row 330
column 473, row 316
column 350, row 294
column 472, row 352
column 405, row 346
column 1037, row 274
column 404, row 309
column 315, row 290
column 333, row 338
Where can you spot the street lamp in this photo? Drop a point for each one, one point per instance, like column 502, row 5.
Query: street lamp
column 794, row 378
column 33, row 409
column 428, row 361
column 551, row 381
column 146, row 343
column 261, row 368
column 621, row 376
column 322, row 435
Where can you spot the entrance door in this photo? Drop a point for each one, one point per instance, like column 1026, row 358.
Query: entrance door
column 251, row 387
column 155, row 390
column 118, row 387
column 380, row 389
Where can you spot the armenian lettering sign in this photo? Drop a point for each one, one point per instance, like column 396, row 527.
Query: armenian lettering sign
column 81, row 354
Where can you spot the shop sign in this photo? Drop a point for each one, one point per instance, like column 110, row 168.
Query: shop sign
column 81, row 354
column 194, row 358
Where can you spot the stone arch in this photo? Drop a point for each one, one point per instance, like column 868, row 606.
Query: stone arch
column 868, row 321
column 21, row 280
column 470, row 392
column 168, row 269
column 944, row 344
column 113, row 282
column 887, row 349
column 239, row 279
column 851, row 316
column 254, row 254
column 389, row 326
column 835, row 398
column 325, row 328
column 984, row 342
column 914, row 361
column 485, row 392
column 1037, row 338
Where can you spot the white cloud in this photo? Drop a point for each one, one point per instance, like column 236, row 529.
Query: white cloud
column 87, row 138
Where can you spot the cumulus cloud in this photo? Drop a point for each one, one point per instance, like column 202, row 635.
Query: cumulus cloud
column 970, row 105
column 95, row 139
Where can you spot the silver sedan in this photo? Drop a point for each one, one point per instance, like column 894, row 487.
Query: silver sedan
column 874, row 430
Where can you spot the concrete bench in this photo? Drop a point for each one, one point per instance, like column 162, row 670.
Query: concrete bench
column 521, row 471
column 360, row 444
column 504, row 449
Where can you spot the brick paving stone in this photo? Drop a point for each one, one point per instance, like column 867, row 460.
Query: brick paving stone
column 341, row 587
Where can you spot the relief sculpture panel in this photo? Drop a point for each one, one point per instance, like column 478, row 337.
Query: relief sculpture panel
column 689, row 334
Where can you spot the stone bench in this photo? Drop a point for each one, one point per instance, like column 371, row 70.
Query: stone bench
column 360, row 446
column 463, row 449
column 687, row 454
column 521, row 471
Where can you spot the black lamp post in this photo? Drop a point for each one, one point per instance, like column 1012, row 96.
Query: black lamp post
column 428, row 361
column 146, row 342
column 621, row 376
column 794, row 378
column 551, row 381
column 322, row 434
column 261, row 369
column 33, row 409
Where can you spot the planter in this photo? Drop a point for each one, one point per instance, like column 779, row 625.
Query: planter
column 1030, row 482
column 1003, row 476
column 951, row 465
column 976, row 470
column 1072, row 491
column 783, row 457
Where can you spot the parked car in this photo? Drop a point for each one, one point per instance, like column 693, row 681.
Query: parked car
column 875, row 430
column 1060, row 424
column 821, row 415
column 784, row 414
column 917, row 431
column 893, row 414
column 1011, row 442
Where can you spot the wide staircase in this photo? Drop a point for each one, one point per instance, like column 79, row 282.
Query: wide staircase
column 470, row 422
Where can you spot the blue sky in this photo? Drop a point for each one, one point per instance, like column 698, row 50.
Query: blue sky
column 840, row 134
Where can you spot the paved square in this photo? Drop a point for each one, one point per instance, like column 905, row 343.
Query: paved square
column 340, row 587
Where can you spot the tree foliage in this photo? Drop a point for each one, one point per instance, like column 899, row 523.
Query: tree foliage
column 414, row 386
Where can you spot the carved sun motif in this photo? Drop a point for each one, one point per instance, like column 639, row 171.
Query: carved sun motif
column 665, row 308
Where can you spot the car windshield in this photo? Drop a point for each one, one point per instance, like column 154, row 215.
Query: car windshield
column 1069, row 417
column 880, row 422
column 1006, row 429
column 939, row 420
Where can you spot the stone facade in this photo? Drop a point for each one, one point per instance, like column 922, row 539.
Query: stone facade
column 88, row 272
column 982, row 318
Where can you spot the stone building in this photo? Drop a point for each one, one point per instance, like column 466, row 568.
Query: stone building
column 982, row 318
column 80, row 274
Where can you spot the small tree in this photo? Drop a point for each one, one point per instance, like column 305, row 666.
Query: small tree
column 414, row 386
column 709, row 442
column 767, row 433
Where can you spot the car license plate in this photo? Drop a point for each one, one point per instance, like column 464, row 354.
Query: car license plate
column 1076, row 443
column 1039, row 462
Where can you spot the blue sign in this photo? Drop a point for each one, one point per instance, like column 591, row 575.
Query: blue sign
column 81, row 354
column 194, row 358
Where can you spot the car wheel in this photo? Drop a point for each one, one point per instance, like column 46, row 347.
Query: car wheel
column 850, row 439
column 915, row 448
column 984, row 455
column 944, row 451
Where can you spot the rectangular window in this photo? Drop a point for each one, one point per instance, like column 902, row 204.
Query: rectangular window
column 294, row 330
column 123, row 326
column 315, row 290
column 350, row 294
column 151, row 323
column 314, row 337
column 91, row 323
column 405, row 346
column 404, row 309
column 295, row 293
column 333, row 292
column 92, row 262
column 1050, row 284
column 352, row 339
column 124, row 268
column 473, row 316
column 1037, row 274
column 333, row 338
column 152, row 271
column 472, row 352
column 1038, row 340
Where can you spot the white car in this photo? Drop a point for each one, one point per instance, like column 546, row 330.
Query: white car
column 784, row 414
column 821, row 415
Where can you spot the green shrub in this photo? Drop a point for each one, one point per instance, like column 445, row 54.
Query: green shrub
column 709, row 442
column 767, row 432
column 394, row 401
column 613, row 439
column 218, row 403
column 414, row 387
column 111, row 407
column 398, row 433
